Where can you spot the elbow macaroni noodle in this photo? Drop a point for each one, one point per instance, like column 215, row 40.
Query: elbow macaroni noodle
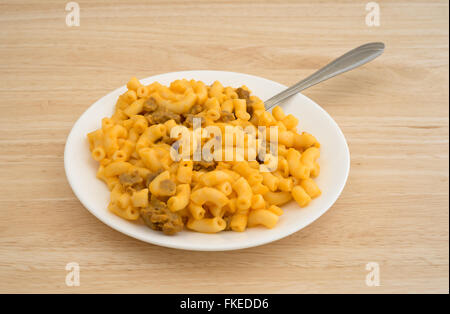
column 149, row 149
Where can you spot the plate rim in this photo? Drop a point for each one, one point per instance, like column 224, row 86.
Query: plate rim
column 235, row 246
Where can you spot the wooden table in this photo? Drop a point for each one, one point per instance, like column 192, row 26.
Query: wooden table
column 393, row 111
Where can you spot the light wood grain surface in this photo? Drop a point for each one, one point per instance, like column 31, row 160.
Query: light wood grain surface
column 393, row 111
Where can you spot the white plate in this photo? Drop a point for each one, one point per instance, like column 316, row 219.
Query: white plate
column 334, row 161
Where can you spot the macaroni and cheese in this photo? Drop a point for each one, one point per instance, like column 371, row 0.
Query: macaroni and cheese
column 148, row 153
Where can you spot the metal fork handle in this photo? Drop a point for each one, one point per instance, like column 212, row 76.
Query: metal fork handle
column 352, row 59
